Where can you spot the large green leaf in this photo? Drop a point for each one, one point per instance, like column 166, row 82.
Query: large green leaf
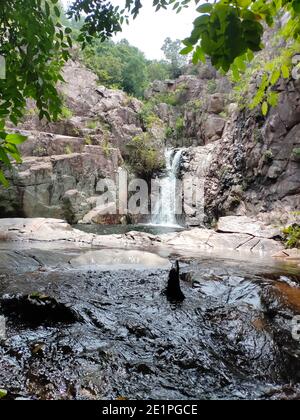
column 15, row 138
column 4, row 182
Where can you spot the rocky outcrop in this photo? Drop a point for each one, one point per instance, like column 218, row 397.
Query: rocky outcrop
column 93, row 112
column 64, row 161
column 60, row 186
column 251, row 166
column 193, row 107
column 244, row 164
column 255, row 170
column 244, row 224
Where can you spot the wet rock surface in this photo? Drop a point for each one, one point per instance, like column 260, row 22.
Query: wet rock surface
column 231, row 338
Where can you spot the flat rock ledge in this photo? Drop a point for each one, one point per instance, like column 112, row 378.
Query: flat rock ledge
column 256, row 240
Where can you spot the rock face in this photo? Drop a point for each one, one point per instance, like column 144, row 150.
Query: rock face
column 255, row 170
column 58, row 186
column 251, row 167
column 100, row 116
column 197, row 113
column 64, row 161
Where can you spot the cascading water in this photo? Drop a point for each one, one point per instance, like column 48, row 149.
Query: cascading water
column 165, row 207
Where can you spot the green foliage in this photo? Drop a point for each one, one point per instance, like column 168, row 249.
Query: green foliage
column 152, row 120
column 147, row 113
column 65, row 113
column 212, row 86
column 176, row 60
column 104, row 125
column 100, row 19
column 194, row 105
column 88, row 140
column 292, row 236
column 296, row 153
column 273, row 70
column 106, row 147
column 118, row 65
column 31, row 112
column 179, row 126
column 169, row 98
column 9, row 150
column 169, row 132
column 225, row 31
column 230, row 31
column 266, row 71
column 158, row 70
column 40, row 151
column 35, row 40
column 143, row 156
column 34, row 46
column 268, row 156
column 3, row 393
column 92, row 125
column 122, row 66
column 68, row 150
column 257, row 135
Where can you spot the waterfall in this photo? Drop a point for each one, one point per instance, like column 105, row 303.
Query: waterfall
column 165, row 207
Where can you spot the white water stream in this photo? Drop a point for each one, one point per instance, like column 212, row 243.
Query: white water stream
column 165, row 208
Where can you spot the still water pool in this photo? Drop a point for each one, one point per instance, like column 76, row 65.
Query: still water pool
column 122, row 229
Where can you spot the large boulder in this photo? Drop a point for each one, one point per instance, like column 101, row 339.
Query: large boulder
column 105, row 214
column 213, row 128
column 216, row 103
column 244, row 224
column 58, row 186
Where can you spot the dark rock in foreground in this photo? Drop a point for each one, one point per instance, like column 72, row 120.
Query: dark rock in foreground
column 36, row 309
column 174, row 292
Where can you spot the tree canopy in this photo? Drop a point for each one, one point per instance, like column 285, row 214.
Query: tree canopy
column 172, row 51
column 35, row 43
column 122, row 66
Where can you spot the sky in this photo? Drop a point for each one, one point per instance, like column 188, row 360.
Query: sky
column 149, row 30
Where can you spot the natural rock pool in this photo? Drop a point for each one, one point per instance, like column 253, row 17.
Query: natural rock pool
column 107, row 334
column 121, row 229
